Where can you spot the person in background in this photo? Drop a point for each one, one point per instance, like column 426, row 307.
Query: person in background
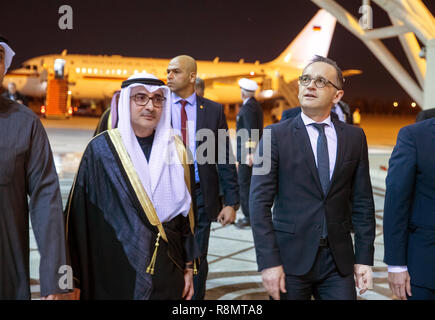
column 199, row 87
column 409, row 216
column 425, row 114
column 190, row 114
column 250, row 118
column 14, row 95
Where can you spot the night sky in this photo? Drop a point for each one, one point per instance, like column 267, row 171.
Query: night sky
column 253, row 30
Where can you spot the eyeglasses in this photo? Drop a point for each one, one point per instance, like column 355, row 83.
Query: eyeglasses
column 320, row 82
column 142, row 99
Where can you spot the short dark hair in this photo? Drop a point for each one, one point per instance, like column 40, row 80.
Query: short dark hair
column 340, row 79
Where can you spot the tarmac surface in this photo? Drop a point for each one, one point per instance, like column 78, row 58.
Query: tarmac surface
column 232, row 263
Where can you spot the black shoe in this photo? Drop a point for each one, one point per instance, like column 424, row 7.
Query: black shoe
column 243, row 223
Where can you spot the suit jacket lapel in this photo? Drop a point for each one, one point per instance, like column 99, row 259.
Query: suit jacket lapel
column 200, row 114
column 303, row 140
column 341, row 143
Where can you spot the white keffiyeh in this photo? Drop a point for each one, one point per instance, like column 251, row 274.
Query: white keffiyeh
column 9, row 54
column 163, row 177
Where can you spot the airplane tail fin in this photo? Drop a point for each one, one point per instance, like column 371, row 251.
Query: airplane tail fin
column 314, row 39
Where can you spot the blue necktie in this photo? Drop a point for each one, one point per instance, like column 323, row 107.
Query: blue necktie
column 323, row 165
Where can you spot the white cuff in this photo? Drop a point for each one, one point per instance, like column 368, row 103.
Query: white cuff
column 396, row 269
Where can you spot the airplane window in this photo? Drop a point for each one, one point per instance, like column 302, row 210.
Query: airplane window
column 35, row 68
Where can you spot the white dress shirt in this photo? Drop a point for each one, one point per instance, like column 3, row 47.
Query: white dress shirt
column 331, row 137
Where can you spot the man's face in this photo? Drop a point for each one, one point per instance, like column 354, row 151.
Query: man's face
column 179, row 77
column 310, row 96
column 12, row 88
column 147, row 116
column 2, row 64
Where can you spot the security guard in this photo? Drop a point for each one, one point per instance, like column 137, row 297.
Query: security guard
column 250, row 118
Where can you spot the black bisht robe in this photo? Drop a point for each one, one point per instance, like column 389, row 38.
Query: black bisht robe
column 29, row 185
column 110, row 239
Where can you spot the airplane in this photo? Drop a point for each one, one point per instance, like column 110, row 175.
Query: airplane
column 97, row 77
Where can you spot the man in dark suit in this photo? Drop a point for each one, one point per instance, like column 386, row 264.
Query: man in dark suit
column 14, row 95
column 195, row 117
column 319, row 185
column 249, row 120
column 425, row 114
column 409, row 213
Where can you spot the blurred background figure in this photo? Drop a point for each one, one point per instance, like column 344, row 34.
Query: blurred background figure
column 342, row 110
column 425, row 114
column 199, row 87
column 250, row 118
column 14, row 95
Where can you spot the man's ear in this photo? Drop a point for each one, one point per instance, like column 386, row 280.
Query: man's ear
column 338, row 95
column 192, row 77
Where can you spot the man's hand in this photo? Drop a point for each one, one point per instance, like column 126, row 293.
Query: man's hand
column 75, row 295
column 400, row 284
column 227, row 215
column 188, row 285
column 363, row 277
column 274, row 281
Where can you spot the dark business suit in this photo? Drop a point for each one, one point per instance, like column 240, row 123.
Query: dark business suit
column 250, row 117
column 409, row 211
column 210, row 115
column 291, row 237
column 425, row 114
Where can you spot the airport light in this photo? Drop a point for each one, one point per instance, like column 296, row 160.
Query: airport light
column 395, row 104
column 413, row 105
column 252, row 73
column 77, row 70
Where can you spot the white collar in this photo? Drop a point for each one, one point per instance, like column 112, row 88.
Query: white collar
column 307, row 120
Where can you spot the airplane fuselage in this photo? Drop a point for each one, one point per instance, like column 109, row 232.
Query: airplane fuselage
column 98, row 77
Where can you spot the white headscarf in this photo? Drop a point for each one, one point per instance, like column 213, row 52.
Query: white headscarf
column 163, row 176
column 9, row 54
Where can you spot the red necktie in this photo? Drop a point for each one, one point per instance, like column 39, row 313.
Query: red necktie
column 184, row 121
